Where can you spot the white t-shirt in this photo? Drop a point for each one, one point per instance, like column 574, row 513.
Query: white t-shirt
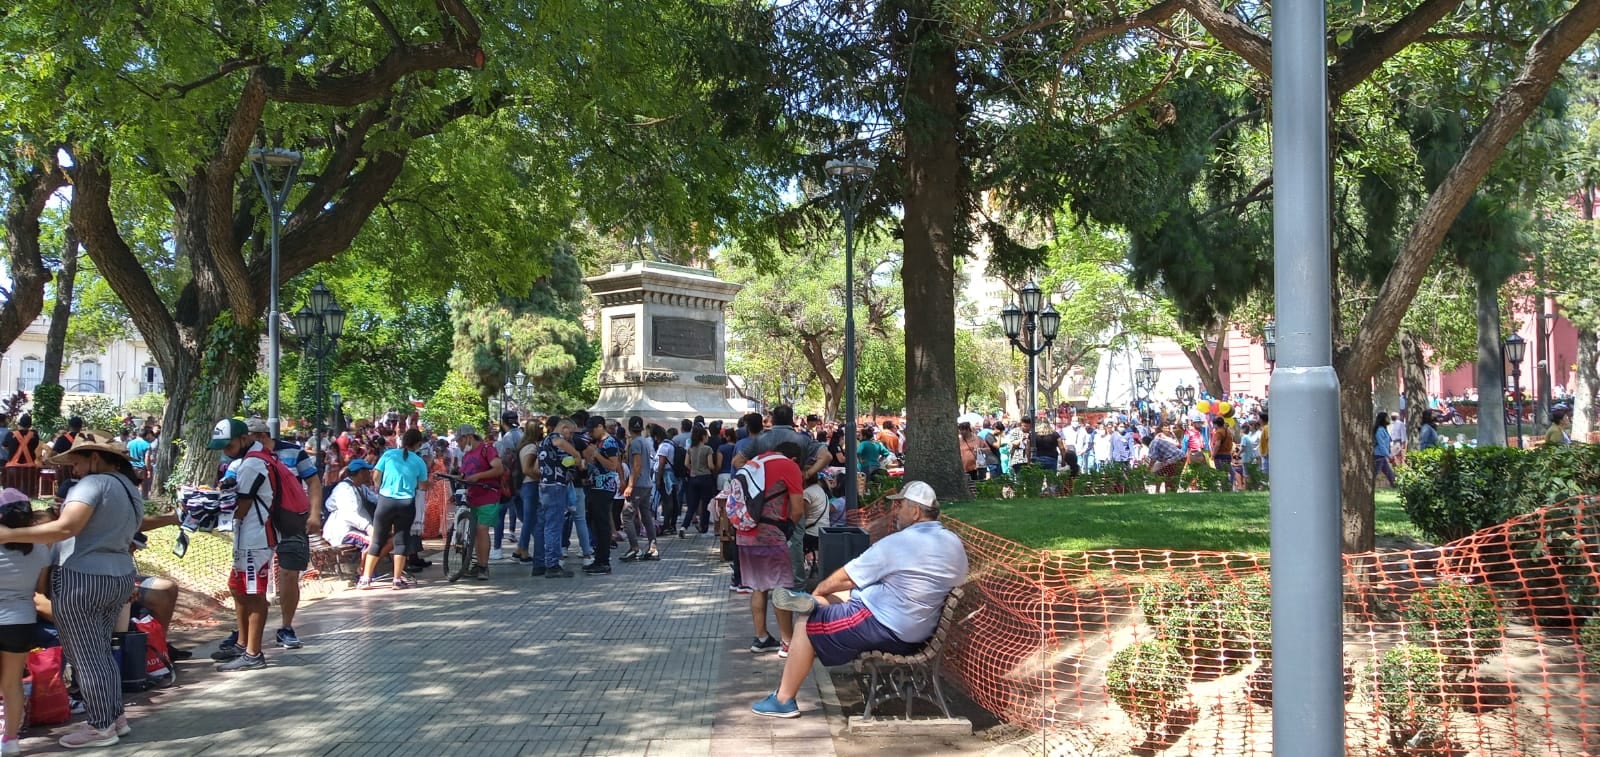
column 250, row 520
column 1397, row 431
column 816, row 509
column 664, row 452
column 344, row 514
column 905, row 577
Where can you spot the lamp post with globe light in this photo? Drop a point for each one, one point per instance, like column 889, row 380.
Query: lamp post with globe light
column 262, row 163
column 520, row 390
column 1145, row 378
column 1516, row 349
column 1032, row 329
column 319, row 325
column 854, row 177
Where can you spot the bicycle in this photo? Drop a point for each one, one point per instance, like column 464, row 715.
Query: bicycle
column 462, row 536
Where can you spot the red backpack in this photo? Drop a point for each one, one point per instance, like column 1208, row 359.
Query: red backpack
column 291, row 508
column 752, row 500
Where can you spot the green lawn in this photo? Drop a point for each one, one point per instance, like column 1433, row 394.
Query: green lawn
column 1219, row 522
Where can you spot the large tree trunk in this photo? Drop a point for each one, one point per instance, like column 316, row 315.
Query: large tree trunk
column 1414, row 378
column 1491, row 381
column 213, row 393
column 1586, row 385
column 1207, row 361
column 1355, row 466
column 25, row 264
column 1386, row 386
column 1511, row 108
column 55, row 343
column 832, row 387
column 934, row 177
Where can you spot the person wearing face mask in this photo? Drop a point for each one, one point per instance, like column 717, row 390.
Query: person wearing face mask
column 888, row 599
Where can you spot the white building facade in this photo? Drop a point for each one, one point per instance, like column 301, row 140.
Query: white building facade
column 123, row 370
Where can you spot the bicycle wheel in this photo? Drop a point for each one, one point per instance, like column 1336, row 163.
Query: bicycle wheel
column 462, row 543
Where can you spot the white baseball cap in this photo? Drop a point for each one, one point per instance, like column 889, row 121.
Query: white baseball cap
column 917, row 492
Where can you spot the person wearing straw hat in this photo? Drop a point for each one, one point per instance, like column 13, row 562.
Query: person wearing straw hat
column 94, row 568
column 888, row 599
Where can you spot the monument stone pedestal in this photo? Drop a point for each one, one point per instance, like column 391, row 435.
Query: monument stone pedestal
column 663, row 341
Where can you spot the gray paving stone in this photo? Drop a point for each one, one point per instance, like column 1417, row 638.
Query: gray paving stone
column 627, row 664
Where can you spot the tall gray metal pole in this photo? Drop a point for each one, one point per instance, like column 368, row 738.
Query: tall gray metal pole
column 851, row 465
column 1307, row 573
column 275, row 203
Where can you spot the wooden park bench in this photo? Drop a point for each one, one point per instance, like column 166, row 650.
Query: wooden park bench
column 914, row 676
column 340, row 555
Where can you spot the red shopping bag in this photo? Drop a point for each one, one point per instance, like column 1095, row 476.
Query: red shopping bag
column 157, row 663
column 48, row 705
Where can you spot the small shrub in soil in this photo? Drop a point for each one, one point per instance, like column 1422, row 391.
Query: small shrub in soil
column 1409, row 693
column 1589, row 643
column 1148, row 680
column 1461, row 622
column 1214, row 625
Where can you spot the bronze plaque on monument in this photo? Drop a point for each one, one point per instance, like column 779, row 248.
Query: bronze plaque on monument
column 683, row 338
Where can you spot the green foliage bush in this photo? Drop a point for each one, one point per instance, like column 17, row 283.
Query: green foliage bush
column 1461, row 622
column 147, row 404
column 1589, row 642
column 99, row 413
column 47, row 408
column 1204, row 618
column 455, row 402
column 1148, row 681
column 1451, row 493
column 1030, row 481
column 1409, row 692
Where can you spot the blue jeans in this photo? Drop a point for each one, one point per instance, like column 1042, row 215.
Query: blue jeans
column 551, row 515
column 530, row 533
column 578, row 518
column 1046, row 463
column 511, row 510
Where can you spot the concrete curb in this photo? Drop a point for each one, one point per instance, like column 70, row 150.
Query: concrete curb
column 828, row 696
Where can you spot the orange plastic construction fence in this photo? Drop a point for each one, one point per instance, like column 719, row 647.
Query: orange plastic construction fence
column 1484, row 646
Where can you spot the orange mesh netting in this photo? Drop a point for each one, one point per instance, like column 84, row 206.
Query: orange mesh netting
column 1473, row 648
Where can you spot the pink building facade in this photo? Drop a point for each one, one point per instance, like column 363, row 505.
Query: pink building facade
column 1244, row 368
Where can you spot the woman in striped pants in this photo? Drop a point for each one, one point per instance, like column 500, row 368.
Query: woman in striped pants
column 93, row 578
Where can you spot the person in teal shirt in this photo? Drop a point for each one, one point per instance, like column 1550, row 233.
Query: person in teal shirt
column 138, row 451
column 870, row 453
column 398, row 474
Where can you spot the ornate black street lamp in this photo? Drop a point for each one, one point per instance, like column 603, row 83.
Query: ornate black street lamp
column 1516, row 349
column 1270, row 344
column 319, row 326
column 1145, row 378
column 1032, row 329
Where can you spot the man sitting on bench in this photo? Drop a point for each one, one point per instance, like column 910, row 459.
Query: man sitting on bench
column 889, row 599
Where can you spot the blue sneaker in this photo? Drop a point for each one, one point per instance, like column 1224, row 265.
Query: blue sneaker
column 228, row 649
column 772, row 708
column 287, row 639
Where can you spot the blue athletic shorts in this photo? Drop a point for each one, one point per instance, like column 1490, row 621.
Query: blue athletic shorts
column 840, row 632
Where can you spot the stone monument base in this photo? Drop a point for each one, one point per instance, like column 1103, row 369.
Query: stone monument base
column 664, row 343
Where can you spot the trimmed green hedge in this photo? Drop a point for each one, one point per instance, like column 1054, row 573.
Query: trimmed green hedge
column 1031, row 481
column 1451, row 493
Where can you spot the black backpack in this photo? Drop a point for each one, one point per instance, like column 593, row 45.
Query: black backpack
column 680, row 461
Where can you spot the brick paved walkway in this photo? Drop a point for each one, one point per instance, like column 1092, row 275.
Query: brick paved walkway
column 650, row 660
